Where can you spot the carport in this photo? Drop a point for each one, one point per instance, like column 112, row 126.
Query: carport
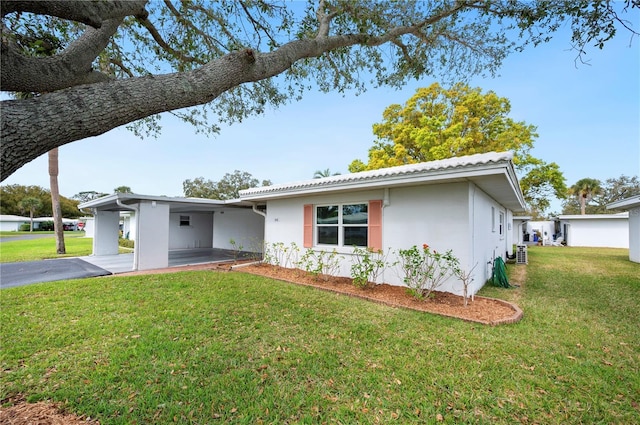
column 173, row 231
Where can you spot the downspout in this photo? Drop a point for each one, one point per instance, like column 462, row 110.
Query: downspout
column 254, row 208
column 136, row 243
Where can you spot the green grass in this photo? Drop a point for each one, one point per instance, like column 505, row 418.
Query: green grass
column 39, row 249
column 215, row 347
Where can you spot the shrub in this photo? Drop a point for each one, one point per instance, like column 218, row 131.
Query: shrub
column 367, row 266
column 320, row 263
column 24, row 227
column 424, row 270
column 45, row 226
column 126, row 243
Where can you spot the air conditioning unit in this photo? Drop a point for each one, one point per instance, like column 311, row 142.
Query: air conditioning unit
column 521, row 254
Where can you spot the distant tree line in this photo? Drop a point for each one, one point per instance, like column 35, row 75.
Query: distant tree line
column 12, row 197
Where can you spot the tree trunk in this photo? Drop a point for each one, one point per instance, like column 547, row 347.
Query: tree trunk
column 55, row 201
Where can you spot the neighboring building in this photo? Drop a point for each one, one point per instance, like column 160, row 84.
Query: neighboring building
column 520, row 234
column 596, row 230
column 541, row 231
column 12, row 223
column 632, row 205
column 463, row 204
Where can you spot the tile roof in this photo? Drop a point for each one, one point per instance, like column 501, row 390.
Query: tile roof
column 384, row 173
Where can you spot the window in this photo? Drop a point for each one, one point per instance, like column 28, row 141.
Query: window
column 342, row 225
column 185, row 220
column 501, row 223
column 493, row 219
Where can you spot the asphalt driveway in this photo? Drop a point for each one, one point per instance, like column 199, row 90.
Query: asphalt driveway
column 25, row 273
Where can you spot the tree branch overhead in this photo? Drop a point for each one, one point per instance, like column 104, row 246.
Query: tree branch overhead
column 120, row 62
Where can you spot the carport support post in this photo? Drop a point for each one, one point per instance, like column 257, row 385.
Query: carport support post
column 105, row 238
column 152, row 243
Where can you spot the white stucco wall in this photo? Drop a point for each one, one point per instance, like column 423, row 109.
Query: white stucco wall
column 89, row 227
column 634, row 234
column 547, row 226
column 106, row 232
column 597, row 231
column 242, row 225
column 152, row 245
column 486, row 237
column 198, row 234
column 10, row 223
column 438, row 215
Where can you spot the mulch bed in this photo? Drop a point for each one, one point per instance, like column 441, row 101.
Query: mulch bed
column 488, row 311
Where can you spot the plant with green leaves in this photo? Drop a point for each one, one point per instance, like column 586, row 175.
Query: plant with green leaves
column 320, row 263
column 425, row 270
column 439, row 123
column 367, row 265
column 237, row 249
column 125, row 62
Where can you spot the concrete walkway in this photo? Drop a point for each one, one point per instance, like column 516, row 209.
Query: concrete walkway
column 24, row 273
column 28, row 272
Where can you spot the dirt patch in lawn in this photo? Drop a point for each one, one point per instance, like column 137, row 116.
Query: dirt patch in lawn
column 488, row 311
column 41, row 413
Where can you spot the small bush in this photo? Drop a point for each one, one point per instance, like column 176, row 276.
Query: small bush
column 126, row 243
column 367, row 266
column 424, row 270
column 24, row 227
column 320, row 263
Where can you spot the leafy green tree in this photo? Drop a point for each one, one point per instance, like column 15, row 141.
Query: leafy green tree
column 11, row 195
column 227, row 188
column 439, row 123
column 584, row 190
column 122, row 189
column 88, row 195
column 124, row 62
column 32, row 205
column 613, row 189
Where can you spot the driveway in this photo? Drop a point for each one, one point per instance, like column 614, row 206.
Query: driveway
column 25, row 273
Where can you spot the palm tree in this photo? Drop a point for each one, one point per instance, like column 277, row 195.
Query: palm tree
column 32, row 205
column 324, row 173
column 55, row 202
column 585, row 189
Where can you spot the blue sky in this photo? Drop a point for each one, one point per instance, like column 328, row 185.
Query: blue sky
column 588, row 120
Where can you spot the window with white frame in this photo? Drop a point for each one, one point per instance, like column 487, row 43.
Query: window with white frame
column 342, row 224
column 501, row 223
column 185, row 220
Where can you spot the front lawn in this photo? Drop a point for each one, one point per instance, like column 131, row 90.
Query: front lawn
column 216, row 347
column 44, row 248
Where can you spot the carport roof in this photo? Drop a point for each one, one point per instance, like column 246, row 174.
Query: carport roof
column 625, row 204
column 124, row 201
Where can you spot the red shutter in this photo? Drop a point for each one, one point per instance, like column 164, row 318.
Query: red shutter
column 375, row 225
column 307, row 238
